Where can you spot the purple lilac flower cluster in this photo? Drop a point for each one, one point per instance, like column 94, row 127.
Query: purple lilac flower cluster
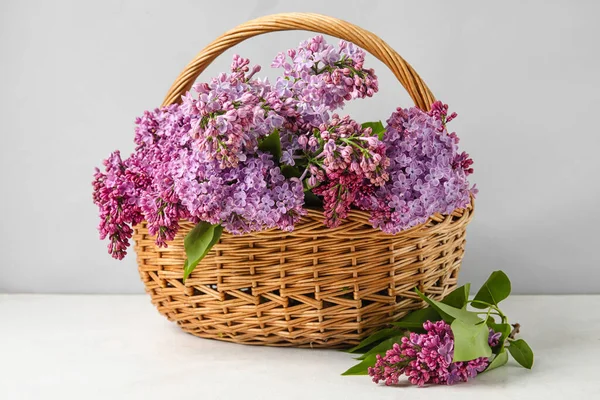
column 427, row 173
column 427, row 358
column 251, row 197
column 320, row 78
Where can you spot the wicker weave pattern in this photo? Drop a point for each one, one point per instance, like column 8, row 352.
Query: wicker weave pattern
column 313, row 287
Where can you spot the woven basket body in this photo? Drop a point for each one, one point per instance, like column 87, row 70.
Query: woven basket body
column 315, row 286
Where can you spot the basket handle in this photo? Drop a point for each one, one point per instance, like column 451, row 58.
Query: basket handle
column 412, row 82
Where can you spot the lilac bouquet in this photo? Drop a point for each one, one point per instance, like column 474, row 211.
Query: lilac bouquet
column 446, row 343
column 242, row 154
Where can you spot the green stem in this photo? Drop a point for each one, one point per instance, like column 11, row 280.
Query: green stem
column 350, row 142
column 491, row 306
column 488, row 314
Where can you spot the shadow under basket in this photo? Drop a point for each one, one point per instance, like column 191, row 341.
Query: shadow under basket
column 315, row 286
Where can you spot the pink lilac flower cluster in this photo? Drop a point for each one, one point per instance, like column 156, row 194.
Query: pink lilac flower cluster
column 161, row 138
column 427, row 173
column 349, row 164
column 231, row 113
column 427, row 358
column 116, row 193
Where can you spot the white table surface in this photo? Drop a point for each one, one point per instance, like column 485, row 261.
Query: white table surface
column 119, row 347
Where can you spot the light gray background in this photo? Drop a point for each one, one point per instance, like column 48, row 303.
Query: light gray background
column 523, row 76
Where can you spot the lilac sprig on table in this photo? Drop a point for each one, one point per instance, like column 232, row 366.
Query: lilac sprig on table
column 242, row 154
column 427, row 358
column 445, row 343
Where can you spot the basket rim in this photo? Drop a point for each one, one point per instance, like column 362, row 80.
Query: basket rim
column 437, row 222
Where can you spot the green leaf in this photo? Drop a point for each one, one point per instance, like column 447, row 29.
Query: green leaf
column 470, row 341
column 416, row 318
column 521, row 352
column 311, row 199
column 290, row 172
column 374, row 339
column 382, row 347
column 498, row 361
column 493, row 291
column 377, row 128
column 362, row 368
column 198, row 243
column 449, row 313
column 272, row 144
column 458, row 297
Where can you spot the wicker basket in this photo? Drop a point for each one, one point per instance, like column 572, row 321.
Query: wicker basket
column 315, row 286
